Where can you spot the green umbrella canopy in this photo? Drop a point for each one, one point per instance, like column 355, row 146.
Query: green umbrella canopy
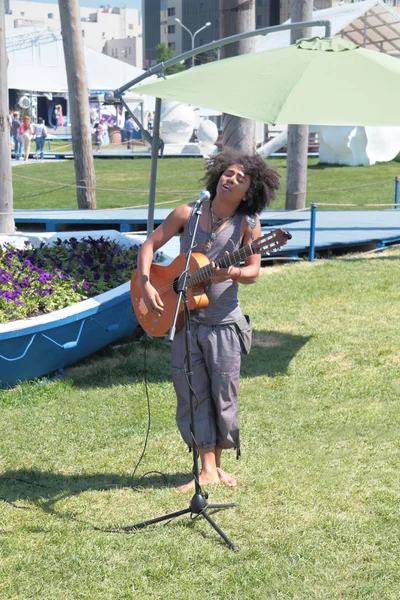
column 317, row 81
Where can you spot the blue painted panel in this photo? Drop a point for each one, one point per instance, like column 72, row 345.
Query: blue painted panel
column 41, row 351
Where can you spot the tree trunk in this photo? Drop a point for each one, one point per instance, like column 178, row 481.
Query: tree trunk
column 78, row 99
column 6, row 192
column 297, row 146
column 237, row 16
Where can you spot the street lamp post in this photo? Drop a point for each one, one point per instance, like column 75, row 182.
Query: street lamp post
column 192, row 35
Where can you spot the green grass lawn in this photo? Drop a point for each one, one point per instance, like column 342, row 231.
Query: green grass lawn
column 319, row 479
column 178, row 180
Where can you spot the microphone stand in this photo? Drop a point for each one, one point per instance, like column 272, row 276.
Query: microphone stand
column 198, row 504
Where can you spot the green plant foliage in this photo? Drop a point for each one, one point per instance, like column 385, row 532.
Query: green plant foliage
column 165, row 53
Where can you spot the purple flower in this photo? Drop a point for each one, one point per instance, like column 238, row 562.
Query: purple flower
column 87, row 259
column 7, row 295
column 65, row 270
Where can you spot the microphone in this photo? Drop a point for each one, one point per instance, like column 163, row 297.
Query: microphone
column 203, row 196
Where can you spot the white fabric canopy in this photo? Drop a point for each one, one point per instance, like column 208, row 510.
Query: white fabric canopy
column 370, row 23
column 36, row 63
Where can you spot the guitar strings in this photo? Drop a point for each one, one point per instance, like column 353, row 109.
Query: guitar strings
column 169, row 288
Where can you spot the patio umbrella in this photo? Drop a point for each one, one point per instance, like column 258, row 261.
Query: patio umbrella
column 317, row 81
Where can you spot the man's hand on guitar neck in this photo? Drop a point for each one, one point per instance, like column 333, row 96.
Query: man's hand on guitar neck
column 221, row 275
column 151, row 298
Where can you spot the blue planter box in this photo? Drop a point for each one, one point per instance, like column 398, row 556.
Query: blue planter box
column 46, row 347
column 37, row 346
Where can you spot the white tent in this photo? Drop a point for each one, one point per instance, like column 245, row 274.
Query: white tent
column 369, row 23
column 36, row 63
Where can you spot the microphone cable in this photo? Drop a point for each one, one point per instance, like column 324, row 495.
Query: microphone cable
column 145, row 339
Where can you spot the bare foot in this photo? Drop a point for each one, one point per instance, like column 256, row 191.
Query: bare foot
column 225, row 478
column 204, row 479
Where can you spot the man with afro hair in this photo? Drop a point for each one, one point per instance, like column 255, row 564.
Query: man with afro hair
column 240, row 186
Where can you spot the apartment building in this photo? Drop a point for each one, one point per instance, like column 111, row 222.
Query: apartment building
column 285, row 7
column 180, row 24
column 155, row 31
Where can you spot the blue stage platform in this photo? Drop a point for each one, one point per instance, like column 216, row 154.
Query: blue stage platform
column 334, row 229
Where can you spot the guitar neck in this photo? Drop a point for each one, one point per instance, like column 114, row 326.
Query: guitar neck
column 200, row 275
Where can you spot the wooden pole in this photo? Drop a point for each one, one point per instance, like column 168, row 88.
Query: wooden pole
column 6, row 191
column 237, row 16
column 78, row 99
column 297, row 145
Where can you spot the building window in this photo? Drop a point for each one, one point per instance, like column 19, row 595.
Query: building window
column 171, row 28
column 112, row 51
column 130, row 50
column 171, row 45
column 130, row 26
column 103, row 35
column 83, row 33
column 171, row 11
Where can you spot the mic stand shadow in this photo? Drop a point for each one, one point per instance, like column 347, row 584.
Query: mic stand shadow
column 198, row 504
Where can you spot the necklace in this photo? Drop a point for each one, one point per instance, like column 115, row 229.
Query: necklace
column 217, row 221
column 214, row 226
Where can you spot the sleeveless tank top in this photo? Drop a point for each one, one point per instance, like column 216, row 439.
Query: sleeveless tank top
column 223, row 298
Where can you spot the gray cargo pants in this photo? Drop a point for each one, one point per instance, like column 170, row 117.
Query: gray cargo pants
column 216, row 358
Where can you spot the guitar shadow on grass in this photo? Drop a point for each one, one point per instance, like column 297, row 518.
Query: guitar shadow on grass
column 271, row 353
column 123, row 364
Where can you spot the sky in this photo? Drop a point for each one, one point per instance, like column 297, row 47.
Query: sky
column 96, row 3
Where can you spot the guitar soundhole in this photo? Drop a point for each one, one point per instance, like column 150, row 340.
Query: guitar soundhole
column 176, row 281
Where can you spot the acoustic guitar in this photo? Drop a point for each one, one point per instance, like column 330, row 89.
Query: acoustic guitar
column 165, row 279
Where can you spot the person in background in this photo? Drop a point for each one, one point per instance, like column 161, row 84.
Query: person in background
column 129, row 128
column 100, row 133
column 60, row 118
column 26, row 132
column 15, row 135
column 40, row 136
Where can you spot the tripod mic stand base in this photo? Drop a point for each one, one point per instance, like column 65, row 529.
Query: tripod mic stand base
column 199, row 507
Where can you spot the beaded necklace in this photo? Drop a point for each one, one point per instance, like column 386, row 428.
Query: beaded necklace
column 215, row 224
